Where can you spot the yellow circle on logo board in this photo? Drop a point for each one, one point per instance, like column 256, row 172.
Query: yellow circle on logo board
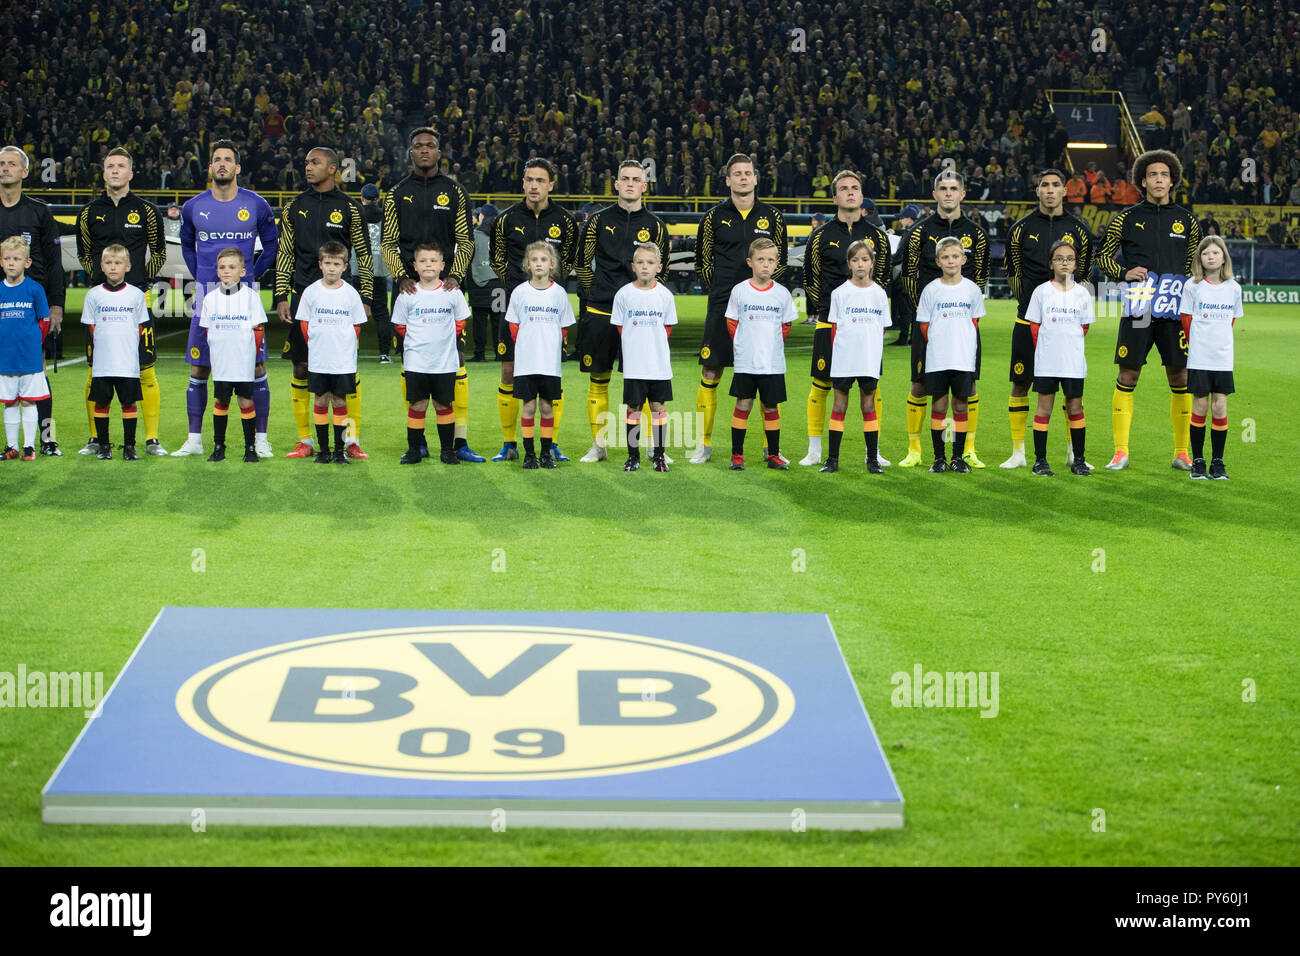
column 242, row 215
column 643, row 235
column 576, row 703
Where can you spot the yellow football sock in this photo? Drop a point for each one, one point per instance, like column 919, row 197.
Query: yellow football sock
column 151, row 402
column 460, row 402
column 302, row 407
column 706, row 404
column 817, row 395
column 508, row 412
column 1180, row 413
column 1121, row 416
column 880, row 409
column 557, row 413
column 1018, row 412
column 90, row 406
column 915, row 419
column 972, row 420
column 597, row 403
column 354, row 414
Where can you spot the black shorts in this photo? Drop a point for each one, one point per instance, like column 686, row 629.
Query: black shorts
column 638, row 391
column 865, row 382
column 823, row 337
column 295, row 346
column 1135, row 341
column 716, row 349
column 918, row 343
column 528, row 387
column 128, row 390
column 148, row 348
column 336, row 383
column 439, row 386
column 1069, row 387
column 223, row 390
column 1201, row 382
column 598, row 343
column 770, row 389
column 1022, row 352
column 505, row 344
column 961, row 384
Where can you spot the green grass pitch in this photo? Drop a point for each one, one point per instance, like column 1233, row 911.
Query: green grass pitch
column 1121, row 690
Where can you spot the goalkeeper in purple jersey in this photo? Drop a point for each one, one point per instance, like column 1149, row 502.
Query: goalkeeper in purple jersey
column 225, row 217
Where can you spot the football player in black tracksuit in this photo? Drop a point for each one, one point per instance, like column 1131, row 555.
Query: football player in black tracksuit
column 825, row 269
column 721, row 253
column 919, row 270
column 1028, row 265
column 1157, row 241
column 320, row 213
column 533, row 219
column 430, row 206
column 119, row 215
column 605, row 266
column 21, row 215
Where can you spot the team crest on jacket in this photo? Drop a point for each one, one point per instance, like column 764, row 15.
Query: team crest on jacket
column 336, row 217
column 443, row 199
column 1068, row 239
column 243, row 214
column 1178, row 228
column 643, row 235
column 133, row 218
column 553, row 232
column 965, row 242
column 762, row 223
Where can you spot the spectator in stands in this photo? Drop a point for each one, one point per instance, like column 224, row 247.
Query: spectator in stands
column 1076, row 190
column 1099, row 194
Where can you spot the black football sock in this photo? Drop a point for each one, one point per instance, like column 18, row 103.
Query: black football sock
column 446, row 436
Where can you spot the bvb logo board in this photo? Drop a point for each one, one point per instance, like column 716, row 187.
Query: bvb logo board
column 485, row 702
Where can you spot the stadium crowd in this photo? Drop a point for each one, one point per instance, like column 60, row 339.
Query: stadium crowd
column 892, row 89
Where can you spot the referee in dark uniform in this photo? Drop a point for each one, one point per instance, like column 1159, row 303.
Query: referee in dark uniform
column 721, row 250
column 21, row 215
column 430, row 206
column 320, row 213
column 119, row 215
column 825, row 268
column 535, row 218
column 1028, row 264
column 919, row 270
column 1150, row 246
